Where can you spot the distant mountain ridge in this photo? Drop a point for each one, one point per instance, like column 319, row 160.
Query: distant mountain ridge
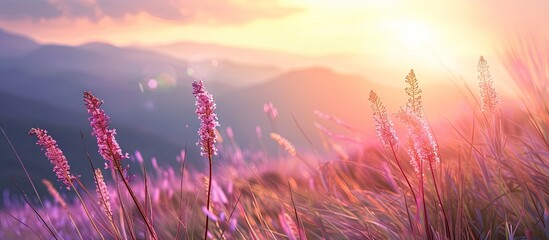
column 349, row 63
column 13, row 45
column 42, row 86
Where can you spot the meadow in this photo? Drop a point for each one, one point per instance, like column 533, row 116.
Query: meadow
column 484, row 177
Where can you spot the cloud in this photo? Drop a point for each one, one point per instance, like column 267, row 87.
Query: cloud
column 196, row 11
column 17, row 9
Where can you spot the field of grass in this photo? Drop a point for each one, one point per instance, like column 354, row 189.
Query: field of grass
column 485, row 176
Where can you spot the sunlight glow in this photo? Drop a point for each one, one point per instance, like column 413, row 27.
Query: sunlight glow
column 414, row 34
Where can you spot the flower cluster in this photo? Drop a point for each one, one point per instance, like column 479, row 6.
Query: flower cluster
column 422, row 145
column 414, row 93
column 205, row 107
column 55, row 155
column 270, row 110
column 284, row 143
column 54, row 193
column 488, row 96
column 102, row 193
column 106, row 141
column 384, row 126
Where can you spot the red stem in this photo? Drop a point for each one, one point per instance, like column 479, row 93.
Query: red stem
column 209, row 193
column 134, row 198
column 422, row 191
column 403, row 174
column 118, row 167
column 409, row 185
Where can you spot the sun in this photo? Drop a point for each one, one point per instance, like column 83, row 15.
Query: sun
column 412, row 34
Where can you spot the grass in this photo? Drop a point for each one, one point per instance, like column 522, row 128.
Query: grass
column 485, row 176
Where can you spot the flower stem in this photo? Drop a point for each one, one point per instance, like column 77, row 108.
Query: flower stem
column 134, row 198
column 447, row 226
column 208, row 196
column 422, row 193
column 409, row 185
column 403, row 174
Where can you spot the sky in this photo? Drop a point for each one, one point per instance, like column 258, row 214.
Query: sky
column 421, row 32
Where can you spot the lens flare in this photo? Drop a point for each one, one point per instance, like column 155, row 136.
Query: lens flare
column 158, row 77
column 152, row 84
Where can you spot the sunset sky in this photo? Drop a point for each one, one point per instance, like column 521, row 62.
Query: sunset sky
column 418, row 31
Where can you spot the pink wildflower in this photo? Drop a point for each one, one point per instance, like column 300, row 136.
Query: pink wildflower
column 138, row 156
column 384, row 126
column 205, row 107
column 54, row 193
column 210, row 214
column 414, row 93
column 102, row 193
column 55, row 155
column 106, row 141
column 270, row 110
column 284, row 143
column 422, row 145
column 488, row 96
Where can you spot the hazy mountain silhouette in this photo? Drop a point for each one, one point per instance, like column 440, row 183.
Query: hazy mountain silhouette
column 13, row 45
column 18, row 115
column 353, row 63
column 297, row 94
column 206, row 51
column 42, row 86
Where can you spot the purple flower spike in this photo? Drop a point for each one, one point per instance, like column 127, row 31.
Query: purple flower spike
column 55, row 155
column 205, row 107
column 106, row 141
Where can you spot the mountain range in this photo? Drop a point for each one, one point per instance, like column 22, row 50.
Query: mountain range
column 149, row 98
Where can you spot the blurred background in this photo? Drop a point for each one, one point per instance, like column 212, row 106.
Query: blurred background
column 141, row 56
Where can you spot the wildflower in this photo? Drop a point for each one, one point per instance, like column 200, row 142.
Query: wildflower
column 54, row 193
column 284, row 143
column 422, row 145
column 102, row 193
column 205, row 107
column 414, row 157
column 209, row 213
column 270, row 110
column 384, row 126
column 413, row 91
column 55, row 155
column 233, row 223
column 488, row 96
column 106, row 141
column 138, row 156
